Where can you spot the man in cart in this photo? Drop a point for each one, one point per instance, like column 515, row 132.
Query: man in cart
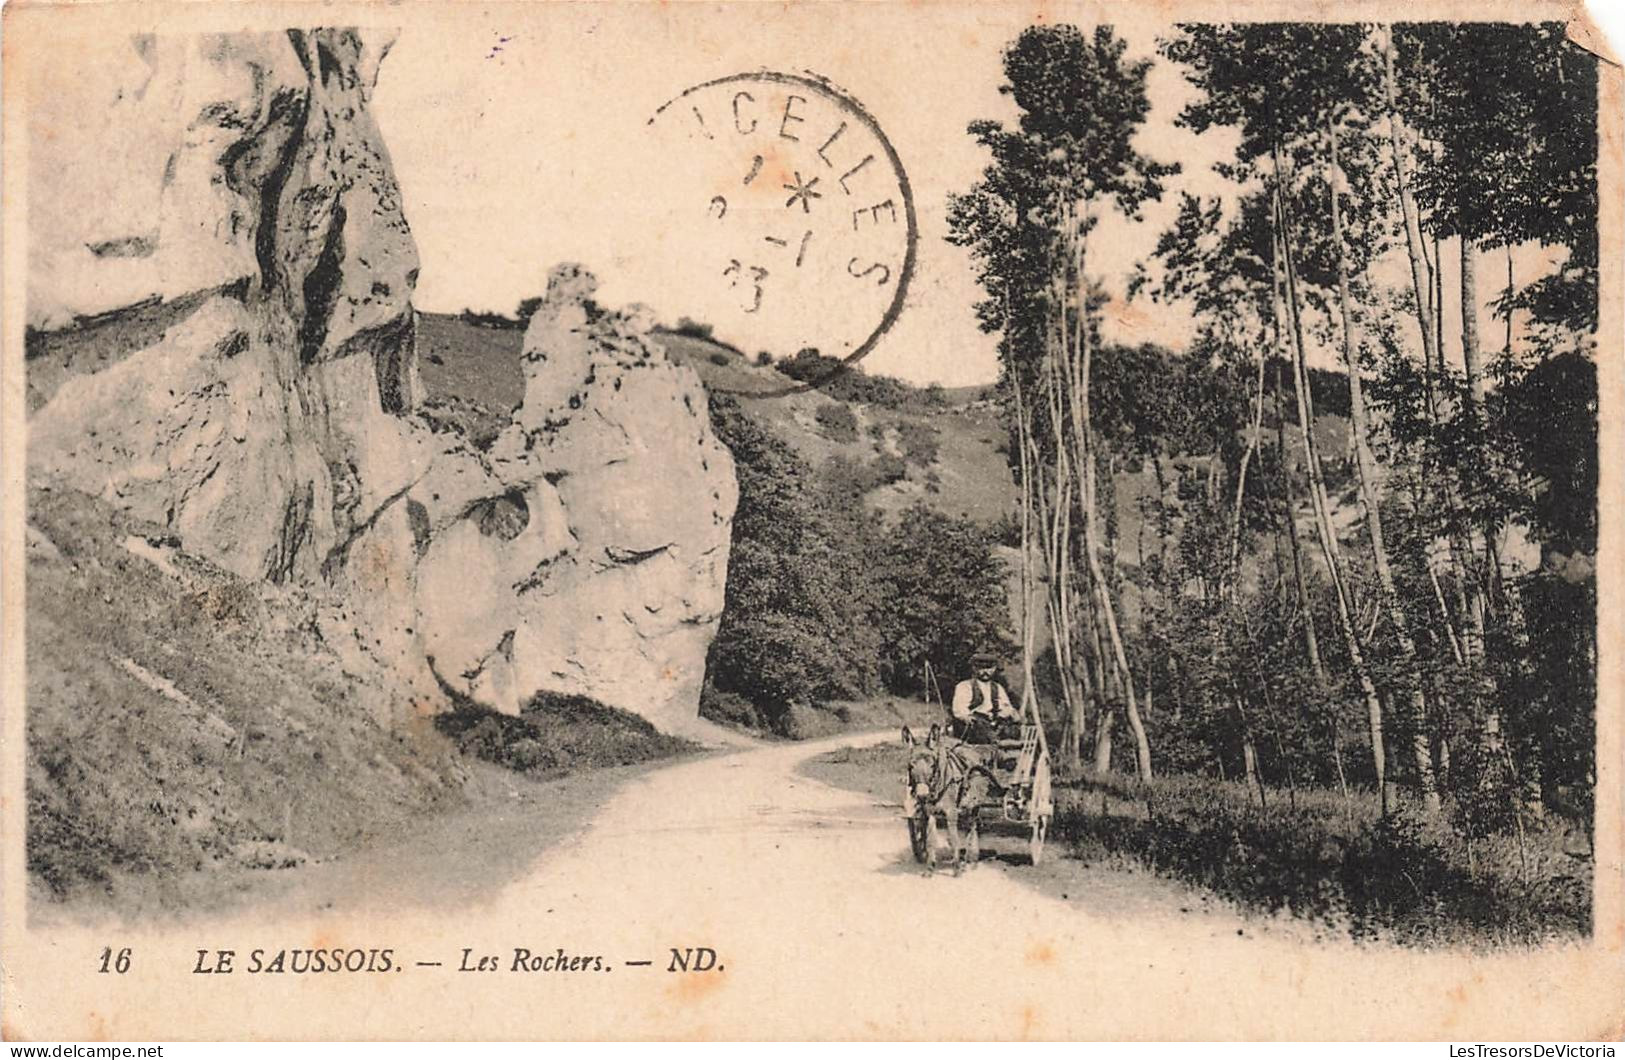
column 982, row 708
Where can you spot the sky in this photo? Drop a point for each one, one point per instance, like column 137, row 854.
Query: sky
column 521, row 138
column 522, row 141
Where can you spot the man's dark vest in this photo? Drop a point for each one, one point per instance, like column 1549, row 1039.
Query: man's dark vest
column 976, row 695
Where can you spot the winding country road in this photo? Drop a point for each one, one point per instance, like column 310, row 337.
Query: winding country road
column 822, row 926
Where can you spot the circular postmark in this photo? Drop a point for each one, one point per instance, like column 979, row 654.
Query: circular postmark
column 791, row 220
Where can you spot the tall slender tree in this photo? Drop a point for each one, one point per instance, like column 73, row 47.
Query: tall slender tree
column 1069, row 158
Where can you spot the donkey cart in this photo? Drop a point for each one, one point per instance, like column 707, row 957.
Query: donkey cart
column 970, row 785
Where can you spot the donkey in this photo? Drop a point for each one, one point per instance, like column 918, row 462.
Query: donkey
column 951, row 781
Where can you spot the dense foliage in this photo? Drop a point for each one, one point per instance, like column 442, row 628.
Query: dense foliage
column 825, row 601
column 555, row 734
column 1399, row 878
column 1377, row 580
column 849, row 382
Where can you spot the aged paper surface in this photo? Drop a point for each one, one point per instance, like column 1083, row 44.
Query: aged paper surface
column 324, row 546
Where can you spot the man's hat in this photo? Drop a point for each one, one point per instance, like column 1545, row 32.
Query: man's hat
column 984, row 658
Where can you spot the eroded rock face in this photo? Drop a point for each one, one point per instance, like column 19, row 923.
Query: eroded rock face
column 223, row 345
column 262, row 422
column 607, row 542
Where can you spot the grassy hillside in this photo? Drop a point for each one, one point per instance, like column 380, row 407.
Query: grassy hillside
column 189, row 737
column 181, row 719
column 950, row 456
column 476, row 364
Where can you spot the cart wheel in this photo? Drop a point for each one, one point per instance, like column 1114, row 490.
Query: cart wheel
column 917, row 834
column 1040, row 804
column 1035, row 845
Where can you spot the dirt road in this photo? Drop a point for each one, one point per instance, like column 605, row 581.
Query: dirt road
column 821, row 925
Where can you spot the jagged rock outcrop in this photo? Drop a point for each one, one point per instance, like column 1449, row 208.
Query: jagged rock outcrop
column 221, row 344
column 261, row 421
column 602, row 533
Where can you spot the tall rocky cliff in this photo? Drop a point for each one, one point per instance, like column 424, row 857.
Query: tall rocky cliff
column 222, row 344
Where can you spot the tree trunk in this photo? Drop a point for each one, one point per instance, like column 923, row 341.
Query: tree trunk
column 1311, row 640
column 1326, row 704
column 1029, row 694
column 1443, row 373
column 1457, row 651
column 1249, row 760
column 1164, row 522
column 1470, row 357
column 1337, row 758
column 1510, row 292
column 1317, row 490
column 1103, row 739
column 1062, row 607
column 1083, row 441
column 1131, row 708
column 1476, row 618
column 1366, row 465
column 1421, row 286
column 1233, row 553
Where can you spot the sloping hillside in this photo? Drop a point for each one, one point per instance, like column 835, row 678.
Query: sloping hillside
column 948, row 453
column 181, row 718
column 190, row 735
column 947, row 448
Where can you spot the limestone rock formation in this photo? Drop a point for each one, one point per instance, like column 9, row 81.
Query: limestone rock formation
column 221, row 343
column 604, row 537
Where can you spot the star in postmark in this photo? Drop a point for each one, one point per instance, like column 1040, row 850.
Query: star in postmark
column 803, row 193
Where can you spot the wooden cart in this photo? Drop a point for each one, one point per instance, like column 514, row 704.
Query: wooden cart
column 1022, row 768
